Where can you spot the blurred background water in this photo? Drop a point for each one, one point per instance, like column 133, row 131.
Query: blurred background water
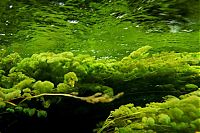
column 101, row 28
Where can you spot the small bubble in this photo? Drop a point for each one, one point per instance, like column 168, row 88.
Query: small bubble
column 139, row 8
column 61, row 3
column 121, row 16
column 73, row 21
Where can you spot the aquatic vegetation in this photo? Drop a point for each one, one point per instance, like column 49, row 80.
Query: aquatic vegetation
column 95, row 80
column 173, row 115
column 32, row 86
column 39, row 81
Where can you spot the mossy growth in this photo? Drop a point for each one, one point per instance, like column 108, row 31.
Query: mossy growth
column 173, row 115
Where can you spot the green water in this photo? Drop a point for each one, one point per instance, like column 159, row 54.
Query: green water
column 104, row 29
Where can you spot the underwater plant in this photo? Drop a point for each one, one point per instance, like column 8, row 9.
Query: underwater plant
column 177, row 115
column 31, row 86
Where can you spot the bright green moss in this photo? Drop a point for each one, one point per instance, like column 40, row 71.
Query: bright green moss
column 164, row 119
column 156, row 117
column 43, row 87
column 150, row 121
column 35, row 78
column 13, row 95
column 24, row 84
column 27, row 90
column 191, row 86
column 2, row 104
column 176, row 113
column 70, row 79
column 63, row 88
column 25, row 95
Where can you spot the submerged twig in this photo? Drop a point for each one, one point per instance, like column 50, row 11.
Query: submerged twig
column 96, row 98
column 10, row 103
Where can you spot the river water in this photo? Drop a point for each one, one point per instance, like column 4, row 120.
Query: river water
column 104, row 29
